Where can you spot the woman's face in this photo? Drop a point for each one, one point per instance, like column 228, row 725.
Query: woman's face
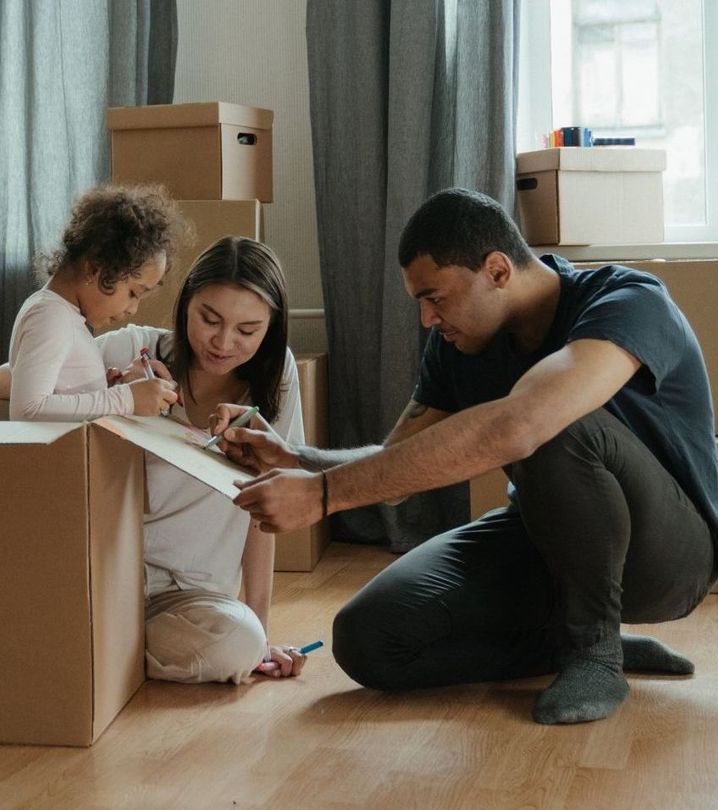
column 225, row 327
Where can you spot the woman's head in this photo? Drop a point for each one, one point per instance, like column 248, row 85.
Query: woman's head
column 118, row 244
column 231, row 318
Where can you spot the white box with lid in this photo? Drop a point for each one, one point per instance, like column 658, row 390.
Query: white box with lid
column 594, row 195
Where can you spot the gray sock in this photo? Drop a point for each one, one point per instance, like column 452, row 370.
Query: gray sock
column 647, row 654
column 589, row 686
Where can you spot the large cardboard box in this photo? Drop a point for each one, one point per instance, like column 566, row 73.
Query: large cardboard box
column 301, row 549
column 596, row 195
column 204, row 151
column 212, row 219
column 71, row 581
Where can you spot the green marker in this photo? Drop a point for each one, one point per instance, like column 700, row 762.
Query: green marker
column 240, row 421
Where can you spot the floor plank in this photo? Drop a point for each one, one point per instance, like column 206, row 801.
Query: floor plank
column 320, row 741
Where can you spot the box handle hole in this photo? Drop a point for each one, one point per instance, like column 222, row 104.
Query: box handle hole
column 527, row 184
column 246, row 138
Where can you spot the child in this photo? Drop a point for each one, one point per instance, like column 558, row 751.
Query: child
column 117, row 246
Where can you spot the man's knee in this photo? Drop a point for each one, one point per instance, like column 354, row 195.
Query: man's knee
column 204, row 642
column 361, row 646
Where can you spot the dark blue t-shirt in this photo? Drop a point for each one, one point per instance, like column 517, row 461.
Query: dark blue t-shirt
column 667, row 403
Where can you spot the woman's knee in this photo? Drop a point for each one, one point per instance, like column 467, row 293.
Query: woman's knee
column 204, row 642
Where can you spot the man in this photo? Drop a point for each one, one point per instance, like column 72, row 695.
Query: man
column 590, row 390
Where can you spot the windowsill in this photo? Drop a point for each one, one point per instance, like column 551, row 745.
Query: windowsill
column 615, row 253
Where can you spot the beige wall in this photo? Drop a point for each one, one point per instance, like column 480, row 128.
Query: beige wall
column 253, row 52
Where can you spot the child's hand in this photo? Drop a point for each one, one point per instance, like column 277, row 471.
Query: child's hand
column 136, row 371
column 286, row 661
column 153, row 397
column 113, row 376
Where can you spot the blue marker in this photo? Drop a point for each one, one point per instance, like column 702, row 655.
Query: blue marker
column 307, row 648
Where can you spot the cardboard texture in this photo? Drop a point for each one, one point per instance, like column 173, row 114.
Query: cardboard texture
column 301, row 549
column 204, row 151
column 71, row 581
column 486, row 492
column 212, row 219
column 575, row 196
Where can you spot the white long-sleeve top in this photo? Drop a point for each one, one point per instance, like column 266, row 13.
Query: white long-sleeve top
column 58, row 374
column 194, row 536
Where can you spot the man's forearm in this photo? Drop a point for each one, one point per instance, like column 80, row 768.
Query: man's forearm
column 315, row 458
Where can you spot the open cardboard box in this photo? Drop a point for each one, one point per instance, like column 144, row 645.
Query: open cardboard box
column 71, row 572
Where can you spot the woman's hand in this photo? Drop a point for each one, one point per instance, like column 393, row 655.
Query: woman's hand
column 136, row 371
column 257, row 448
column 152, row 397
column 286, row 662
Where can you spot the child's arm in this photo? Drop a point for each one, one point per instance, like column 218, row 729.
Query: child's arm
column 45, row 344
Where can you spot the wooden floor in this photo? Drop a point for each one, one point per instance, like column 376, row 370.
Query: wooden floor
column 320, row 741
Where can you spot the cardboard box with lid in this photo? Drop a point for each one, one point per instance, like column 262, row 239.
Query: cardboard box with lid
column 596, row 195
column 202, row 151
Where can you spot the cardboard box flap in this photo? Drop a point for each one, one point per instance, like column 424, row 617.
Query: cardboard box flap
column 34, row 432
column 592, row 159
column 179, row 444
column 204, row 114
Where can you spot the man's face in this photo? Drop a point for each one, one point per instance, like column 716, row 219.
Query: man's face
column 463, row 305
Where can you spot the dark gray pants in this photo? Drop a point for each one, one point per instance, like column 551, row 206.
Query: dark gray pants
column 604, row 534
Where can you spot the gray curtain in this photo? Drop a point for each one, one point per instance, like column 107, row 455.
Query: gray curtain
column 63, row 63
column 407, row 97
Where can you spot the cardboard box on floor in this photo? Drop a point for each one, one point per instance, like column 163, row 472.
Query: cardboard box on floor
column 301, row 549
column 487, row 492
column 71, row 581
column 72, row 574
column 212, row 219
column 596, row 195
column 203, row 151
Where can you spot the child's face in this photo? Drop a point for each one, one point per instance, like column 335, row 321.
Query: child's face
column 101, row 309
column 225, row 327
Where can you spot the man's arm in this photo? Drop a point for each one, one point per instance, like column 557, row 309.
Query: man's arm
column 259, row 448
column 555, row 392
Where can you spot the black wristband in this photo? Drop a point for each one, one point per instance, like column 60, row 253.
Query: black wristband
column 325, row 494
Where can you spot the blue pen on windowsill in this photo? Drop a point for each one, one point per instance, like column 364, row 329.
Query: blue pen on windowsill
column 239, row 421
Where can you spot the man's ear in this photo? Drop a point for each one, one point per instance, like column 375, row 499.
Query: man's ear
column 499, row 268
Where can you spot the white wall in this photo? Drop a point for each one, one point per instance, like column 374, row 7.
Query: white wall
column 253, row 52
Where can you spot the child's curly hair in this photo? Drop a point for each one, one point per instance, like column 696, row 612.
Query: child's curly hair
column 118, row 229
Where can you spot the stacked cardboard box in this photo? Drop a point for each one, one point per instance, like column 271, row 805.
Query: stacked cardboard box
column 216, row 160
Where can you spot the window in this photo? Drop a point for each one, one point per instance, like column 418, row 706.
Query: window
column 641, row 68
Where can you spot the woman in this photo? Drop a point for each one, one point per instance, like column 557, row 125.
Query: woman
column 229, row 345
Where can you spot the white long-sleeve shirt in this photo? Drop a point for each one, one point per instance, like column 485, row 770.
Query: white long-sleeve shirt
column 58, row 374
column 194, row 536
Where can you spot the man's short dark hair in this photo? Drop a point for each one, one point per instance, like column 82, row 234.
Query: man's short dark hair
column 461, row 227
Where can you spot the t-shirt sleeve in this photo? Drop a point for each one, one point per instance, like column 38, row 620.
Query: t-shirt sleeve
column 289, row 423
column 434, row 388
column 120, row 347
column 44, row 343
column 640, row 318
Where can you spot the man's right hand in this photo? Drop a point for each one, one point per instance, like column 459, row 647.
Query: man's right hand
column 258, row 447
column 153, row 397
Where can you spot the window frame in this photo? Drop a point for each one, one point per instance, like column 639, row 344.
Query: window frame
column 535, row 113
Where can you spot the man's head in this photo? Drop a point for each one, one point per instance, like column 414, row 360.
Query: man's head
column 459, row 252
column 461, row 227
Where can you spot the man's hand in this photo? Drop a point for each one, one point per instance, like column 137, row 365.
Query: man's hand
column 257, row 448
column 282, row 500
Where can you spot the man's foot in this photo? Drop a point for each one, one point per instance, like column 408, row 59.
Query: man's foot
column 647, row 654
column 589, row 686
